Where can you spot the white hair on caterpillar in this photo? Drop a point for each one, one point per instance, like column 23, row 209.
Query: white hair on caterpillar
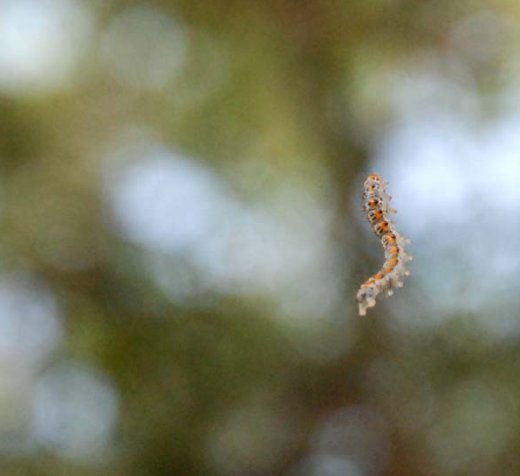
column 389, row 277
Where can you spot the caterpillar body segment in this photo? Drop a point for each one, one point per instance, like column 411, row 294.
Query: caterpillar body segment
column 389, row 277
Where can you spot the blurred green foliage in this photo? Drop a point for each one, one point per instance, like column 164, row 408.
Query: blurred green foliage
column 269, row 94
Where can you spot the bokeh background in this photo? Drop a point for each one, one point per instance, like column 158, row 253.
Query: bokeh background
column 181, row 237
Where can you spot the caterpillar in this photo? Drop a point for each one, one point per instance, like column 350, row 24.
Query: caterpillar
column 389, row 277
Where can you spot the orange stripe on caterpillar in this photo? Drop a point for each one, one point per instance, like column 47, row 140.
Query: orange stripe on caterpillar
column 377, row 206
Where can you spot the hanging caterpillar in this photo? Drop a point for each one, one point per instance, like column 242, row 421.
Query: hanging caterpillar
column 389, row 277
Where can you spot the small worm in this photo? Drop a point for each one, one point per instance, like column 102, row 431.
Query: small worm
column 389, row 277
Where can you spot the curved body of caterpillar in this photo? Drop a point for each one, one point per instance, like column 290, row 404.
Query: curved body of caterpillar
column 389, row 277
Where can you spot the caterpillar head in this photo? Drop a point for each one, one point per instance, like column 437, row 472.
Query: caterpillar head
column 373, row 184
